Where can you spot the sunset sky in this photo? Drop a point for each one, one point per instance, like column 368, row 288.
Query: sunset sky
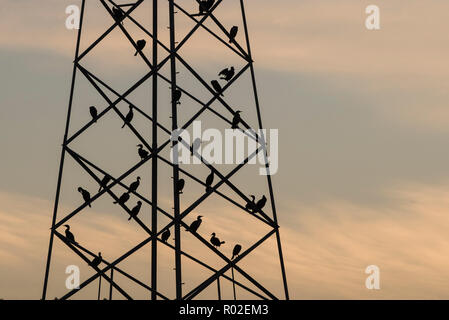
column 363, row 121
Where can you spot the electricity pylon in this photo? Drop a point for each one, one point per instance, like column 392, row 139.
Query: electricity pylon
column 121, row 16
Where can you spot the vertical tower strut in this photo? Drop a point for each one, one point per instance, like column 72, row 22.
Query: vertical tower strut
column 154, row 184
column 61, row 161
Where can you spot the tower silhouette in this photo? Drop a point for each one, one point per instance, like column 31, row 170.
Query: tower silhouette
column 112, row 187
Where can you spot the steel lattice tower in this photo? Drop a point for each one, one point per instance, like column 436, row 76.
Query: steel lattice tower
column 177, row 222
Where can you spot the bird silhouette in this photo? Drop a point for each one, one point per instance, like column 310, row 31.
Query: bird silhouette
column 117, row 13
column 107, row 178
column 177, row 96
column 217, row 87
column 233, row 33
column 195, row 225
column 129, row 117
column 236, row 120
column 123, row 198
column 94, row 113
column 140, row 44
column 180, row 185
column 206, row 5
column 215, row 241
column 209, row 181
column 165, row 235
column 86, row 196
column 135, row 210
column 236, row 251
column 142, row 152
column 133, row 186
column 251, row 205
column 260, row 204
column 195, row 146
column 97, row 260
column 69, row 235
column 227, row 74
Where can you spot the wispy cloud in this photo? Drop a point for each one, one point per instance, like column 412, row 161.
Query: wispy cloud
column 327, row 246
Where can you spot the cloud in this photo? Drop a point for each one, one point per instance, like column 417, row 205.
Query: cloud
column 402, row 66
column 336, row 241
column 327, row 246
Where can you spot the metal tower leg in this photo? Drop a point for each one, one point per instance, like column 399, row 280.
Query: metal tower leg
column 61, row 162
column 154, row 160
column 176, row 198
column 270, row 185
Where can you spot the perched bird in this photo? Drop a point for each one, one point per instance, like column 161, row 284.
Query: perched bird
column 165, row 235
column 195, row 146
column 140, row 44
column 260, row 204
column 117, row 13
column 177, row 96
column 215, row 241
column 123, row 198
column 97, row 260
column 142, row 152
column 133, row 186
column 86, row 195
column 217, row 87
column 227, row 74
column 104, row 182
column 135, row 210
column 251, row 205
column 180, row 185
column 233, row 33
column 69, row 235
column 206, row 5
column 129, row 117
column 195, row 225
column 236, row 251
column 209, row 181
column 236, row 120
column 94, row 113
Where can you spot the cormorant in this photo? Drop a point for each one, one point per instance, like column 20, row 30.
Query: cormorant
column 236, row 120
column 117, row 14
column 233, row 33
column 135, row 210
column 129, row 117
column 142, row 152
column 209, row 181
column 251, row 205
column 94, row 113
column 104, row 182
column 217, row 87
column 140, row 44
column 165, row 235
column 215, row 241
column 177, row 96
column 195, row 224
column 195, row 146
column 86, row 195
column 236, row 251
column 227, row 74
column 180, row 185
column 123, row 198
column 133, row 186
column 97, row 260
column 69, row 235
column 206, row 5
column 260, row 204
